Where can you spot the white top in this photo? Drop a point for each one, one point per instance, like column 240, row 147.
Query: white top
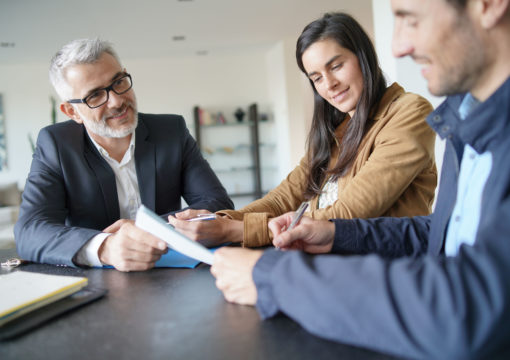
column 329, row 194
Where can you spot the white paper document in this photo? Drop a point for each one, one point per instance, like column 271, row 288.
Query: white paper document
column 149, row 221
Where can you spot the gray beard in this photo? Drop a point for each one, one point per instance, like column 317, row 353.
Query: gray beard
column 101, row 128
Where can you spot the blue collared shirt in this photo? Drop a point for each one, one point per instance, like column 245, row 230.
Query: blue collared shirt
column 474, row 172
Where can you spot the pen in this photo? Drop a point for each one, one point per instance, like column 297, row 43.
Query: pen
column 298, row 215
column 203, row 217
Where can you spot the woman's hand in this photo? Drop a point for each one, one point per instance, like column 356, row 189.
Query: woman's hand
column 208, row 232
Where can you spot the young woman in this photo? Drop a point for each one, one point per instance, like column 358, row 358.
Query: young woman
column 369, row 152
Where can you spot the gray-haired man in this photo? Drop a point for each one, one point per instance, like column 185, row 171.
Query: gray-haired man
column 90, row 174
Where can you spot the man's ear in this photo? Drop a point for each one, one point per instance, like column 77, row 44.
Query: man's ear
column 491, row 12
column 71, row 112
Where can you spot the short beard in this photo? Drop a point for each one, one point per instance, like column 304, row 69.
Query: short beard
column 464, row 75
column 461, row 80
column 102, row 129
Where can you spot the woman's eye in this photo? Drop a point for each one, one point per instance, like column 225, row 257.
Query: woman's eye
column 337, row 66
column 317, row 79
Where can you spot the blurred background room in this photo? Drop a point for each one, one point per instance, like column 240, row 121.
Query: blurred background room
column 227, row 66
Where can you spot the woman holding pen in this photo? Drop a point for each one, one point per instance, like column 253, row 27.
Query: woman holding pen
column 369, row 152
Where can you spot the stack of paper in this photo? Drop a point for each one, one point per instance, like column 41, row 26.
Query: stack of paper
column 22, row 292
column 147, row 220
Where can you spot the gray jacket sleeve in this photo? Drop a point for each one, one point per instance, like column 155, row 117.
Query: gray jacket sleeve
column 420, row 307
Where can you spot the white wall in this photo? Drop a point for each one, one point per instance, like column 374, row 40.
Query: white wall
column 403, row 70
column 27, row 108
column 290, row 96
column 175, row 85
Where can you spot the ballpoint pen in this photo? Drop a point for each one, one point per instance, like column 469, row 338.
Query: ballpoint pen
column 298, row 215
column 203, row 217
column 200, row 217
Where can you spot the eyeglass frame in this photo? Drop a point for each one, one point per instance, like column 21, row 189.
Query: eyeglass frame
column 108, row 88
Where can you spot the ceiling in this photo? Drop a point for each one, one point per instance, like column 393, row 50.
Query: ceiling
column 31, row 31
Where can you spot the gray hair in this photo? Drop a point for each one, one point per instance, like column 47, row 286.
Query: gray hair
column 81, row 51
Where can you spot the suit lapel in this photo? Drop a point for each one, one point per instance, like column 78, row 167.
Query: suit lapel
column 105, row 178
column 145, row 162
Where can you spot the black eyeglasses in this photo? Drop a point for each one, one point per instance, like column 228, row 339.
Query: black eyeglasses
column 101, row 96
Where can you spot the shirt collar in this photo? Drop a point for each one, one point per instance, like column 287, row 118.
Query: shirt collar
column 467, row 105
column 485, row 122
column 392, row 93
column 129, row 153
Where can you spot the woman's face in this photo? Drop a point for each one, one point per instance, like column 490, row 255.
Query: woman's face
column 335, row 73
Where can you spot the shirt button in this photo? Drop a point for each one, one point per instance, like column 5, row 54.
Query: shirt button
column 472, row 156
column 457, row 218
column 436, row 118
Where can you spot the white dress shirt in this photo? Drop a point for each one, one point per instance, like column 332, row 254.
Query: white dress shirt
column 127, row 192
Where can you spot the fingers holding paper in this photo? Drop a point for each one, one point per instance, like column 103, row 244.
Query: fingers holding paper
column 130, row 248
column 313, row 236
column 233, row 269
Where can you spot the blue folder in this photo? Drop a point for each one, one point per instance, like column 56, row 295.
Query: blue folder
column 173, row 259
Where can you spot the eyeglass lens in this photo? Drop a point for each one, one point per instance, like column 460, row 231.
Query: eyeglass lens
column 99, row 97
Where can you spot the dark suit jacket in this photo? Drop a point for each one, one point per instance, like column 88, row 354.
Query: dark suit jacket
column 71, row 195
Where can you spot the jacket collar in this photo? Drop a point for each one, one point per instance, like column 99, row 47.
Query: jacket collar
column 481, row 127
column 392, row 93
column 145, row 163
column 105, row 177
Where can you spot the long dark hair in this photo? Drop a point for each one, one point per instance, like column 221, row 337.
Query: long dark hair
column 348, row 33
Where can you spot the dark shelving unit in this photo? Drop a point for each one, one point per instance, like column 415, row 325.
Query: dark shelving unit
column 252, row 124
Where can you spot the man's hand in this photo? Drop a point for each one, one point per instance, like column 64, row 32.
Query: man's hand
column 312, row 236
column 233, row 269
column 207, row 232
column 130, row 248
